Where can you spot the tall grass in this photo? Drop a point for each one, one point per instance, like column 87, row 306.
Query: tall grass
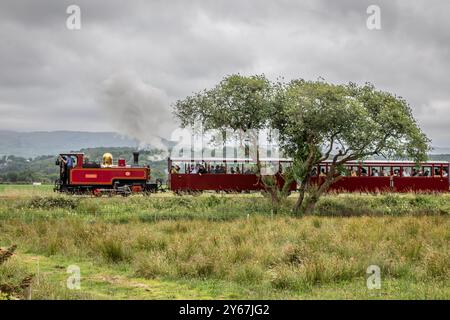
column 237, row 239
column 283, row 252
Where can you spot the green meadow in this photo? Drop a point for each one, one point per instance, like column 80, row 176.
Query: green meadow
column 223, row 246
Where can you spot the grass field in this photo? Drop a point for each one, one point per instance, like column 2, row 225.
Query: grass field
column 225, row 246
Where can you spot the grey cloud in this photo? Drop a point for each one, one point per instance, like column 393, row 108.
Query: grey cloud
column 52, row 78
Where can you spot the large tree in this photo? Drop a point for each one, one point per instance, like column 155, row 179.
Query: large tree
column 238, row 104
column 319, row 121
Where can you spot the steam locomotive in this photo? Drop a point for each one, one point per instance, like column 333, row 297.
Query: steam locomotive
column 77, row 175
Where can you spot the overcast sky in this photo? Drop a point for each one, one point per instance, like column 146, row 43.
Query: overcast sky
column 132, row 59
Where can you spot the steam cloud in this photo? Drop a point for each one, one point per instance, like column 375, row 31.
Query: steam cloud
column 137, row 109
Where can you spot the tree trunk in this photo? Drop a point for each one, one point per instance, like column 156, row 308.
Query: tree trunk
column 308, row 166
column 224, row 144
column 329, row 180
column 301, row 197
column 312, row 201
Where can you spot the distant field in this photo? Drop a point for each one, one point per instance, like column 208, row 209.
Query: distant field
column 214, row 246
column 25, row 187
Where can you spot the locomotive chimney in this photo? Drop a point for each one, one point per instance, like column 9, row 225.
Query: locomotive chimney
column 136, row 158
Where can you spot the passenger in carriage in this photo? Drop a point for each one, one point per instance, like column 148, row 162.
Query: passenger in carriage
column 232, row 170
column 375, row 173
column 194, row 169
column 437, row 172
column 202, row 169
column 426, row 173
column 238, row 171
column 383, row 173
column 353, row 173
column 405, row 173
column 250, row 170
column 363, row 172
column 444, row 173
column 414, row 173
column 175, row 169
column 322, row 173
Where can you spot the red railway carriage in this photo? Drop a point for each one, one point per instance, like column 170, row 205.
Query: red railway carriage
column 388, row 176
column 230, row 175
column 357, row 176
column 77, row 175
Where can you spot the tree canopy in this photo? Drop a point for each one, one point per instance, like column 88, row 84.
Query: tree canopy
column 319, row 121
column 236, row 103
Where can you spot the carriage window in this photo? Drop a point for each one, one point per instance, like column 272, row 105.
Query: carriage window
column 322, row 170
column 233, row 168
column 375, row 171
column 445, row 171
column 415, row 172
column 353, row 171
column 426, row 171
column 384, row 171
column 270, row 167
column 218, row 167
column 177, row 168
column 364, row 171
column 440, row 170
column 437, row 170
column 396, row 171
column 249, row 168
column 407, row 171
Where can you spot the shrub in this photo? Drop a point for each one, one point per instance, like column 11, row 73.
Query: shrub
column 46, row 203
column 152, row 266
column 113, row 250
column 289, row 279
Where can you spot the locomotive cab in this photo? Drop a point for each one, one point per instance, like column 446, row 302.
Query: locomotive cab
column 67, row 162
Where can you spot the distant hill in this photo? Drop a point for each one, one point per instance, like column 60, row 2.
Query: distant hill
column 440, row 151
column 440, row 157
column 32, row 144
